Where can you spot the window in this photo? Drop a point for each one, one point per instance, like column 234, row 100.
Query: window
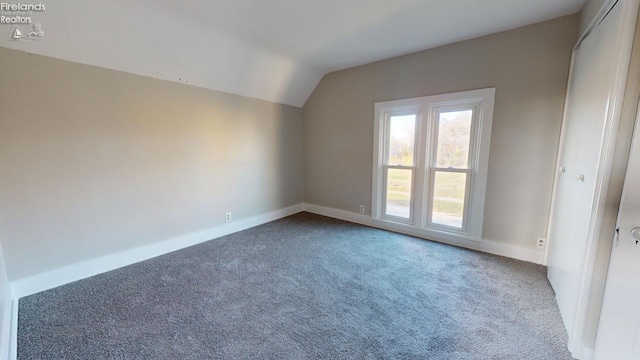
column 399, row 165
column 430, row 162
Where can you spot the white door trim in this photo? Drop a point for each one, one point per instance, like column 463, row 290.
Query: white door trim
column 605, row 325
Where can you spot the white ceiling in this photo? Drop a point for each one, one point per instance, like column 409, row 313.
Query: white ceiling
column 276, row 50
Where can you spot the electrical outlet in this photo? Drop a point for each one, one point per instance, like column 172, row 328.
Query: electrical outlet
column 361, row 209
column 541, row 243
column 227, row 217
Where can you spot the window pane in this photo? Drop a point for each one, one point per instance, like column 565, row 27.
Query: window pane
column 449, row 190
column 399, row 193
column 401, row 139
column 454, row 134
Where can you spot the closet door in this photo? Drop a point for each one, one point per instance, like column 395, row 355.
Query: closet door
column 583, row 134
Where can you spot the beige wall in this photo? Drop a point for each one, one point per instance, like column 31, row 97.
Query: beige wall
column 95, row 161
column 529, row 67
column 588, row 13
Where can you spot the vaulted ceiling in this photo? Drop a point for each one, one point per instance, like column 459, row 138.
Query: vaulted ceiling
column 276, row 50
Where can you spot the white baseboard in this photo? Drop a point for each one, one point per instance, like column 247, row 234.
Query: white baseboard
column 13, row 331
column 488, row 246
column 583, row 353
column 6, row 326
column 57, row 277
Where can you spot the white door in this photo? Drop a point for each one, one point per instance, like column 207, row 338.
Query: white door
column 619, row 328
column 587, row 107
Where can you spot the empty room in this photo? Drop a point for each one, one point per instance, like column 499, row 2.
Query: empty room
column 410, row 179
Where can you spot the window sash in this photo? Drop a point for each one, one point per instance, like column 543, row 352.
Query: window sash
column 387, row 135
column 385, row 187
column 434, row 121
column 431, row 200
column 386, row 165
column 432, row 166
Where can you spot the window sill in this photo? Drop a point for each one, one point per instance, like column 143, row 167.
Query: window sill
column 432, row 234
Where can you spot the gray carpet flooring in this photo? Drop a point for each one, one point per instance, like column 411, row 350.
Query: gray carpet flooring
column 304, row 287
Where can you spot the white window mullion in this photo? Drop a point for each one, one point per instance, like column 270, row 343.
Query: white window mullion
column 421, row 177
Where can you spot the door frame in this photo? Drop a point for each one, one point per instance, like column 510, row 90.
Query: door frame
column 605, row 162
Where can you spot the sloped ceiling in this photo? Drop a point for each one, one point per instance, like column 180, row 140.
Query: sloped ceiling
column 275, row 50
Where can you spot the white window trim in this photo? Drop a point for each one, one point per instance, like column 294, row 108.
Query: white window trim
column 425, row 109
